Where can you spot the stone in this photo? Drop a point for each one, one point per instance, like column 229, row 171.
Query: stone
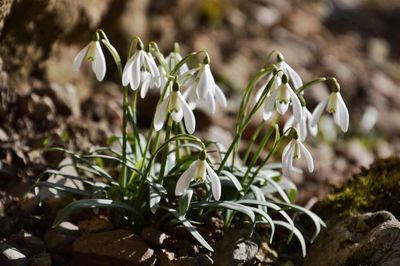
column 11, row 256
column 42, row 259
column 238, row 247
column 363, row 239
column 32, row 243
column 65, row 99
column 153, row 236
column 117, row 247
column 95, row 224
column 60, row 239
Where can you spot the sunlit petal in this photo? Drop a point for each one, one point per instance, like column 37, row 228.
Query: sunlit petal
column 159, row 116
column 184, row 181
column 215, row 182
column 316, row 115
column 79, row 59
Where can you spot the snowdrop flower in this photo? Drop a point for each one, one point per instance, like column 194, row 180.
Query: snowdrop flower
column 336, row 106
column 289, row 72
column 94, row 54
column 202, row 87
column 141, row 69
column 176, row 105
column 200, row 171
column 174, row 58
column 293, row 151
column 302, row 127
column 280, row 98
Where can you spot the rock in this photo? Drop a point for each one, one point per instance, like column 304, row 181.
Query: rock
column 42, row 259
column 265, row 254
column 95, row 224
column 11, row 256
column 60, row 239
column 153, row 236
column 32, row 243
column 40, row 108
column 169, row 258
column 65, row 99
column 365, row 239
column 372, row 189
column 66, row 166
column 118, row 247
column 238, row 247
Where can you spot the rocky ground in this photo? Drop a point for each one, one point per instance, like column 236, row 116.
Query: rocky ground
column 43, row 105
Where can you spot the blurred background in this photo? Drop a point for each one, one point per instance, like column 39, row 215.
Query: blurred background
column 42, row 104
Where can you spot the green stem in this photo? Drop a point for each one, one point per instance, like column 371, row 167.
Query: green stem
column 252, row 141
column 168, row 130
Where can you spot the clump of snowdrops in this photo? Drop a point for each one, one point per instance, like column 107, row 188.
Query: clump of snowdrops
column 172, row 173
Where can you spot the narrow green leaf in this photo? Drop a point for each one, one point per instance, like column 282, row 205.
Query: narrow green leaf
column 225, row 205
column 94, row 203
column 296, row 232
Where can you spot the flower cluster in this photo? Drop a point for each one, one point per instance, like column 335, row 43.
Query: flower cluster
column 168, row 164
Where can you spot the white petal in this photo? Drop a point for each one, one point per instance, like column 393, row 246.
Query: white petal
column 344, row 113
column 184, row 181
column 151, row 64
column 135, row 72
column 215, row 182
column 302, row 129
column 220, row 96
column 210, row 101
column 316, row 115
column 307, row 154
column 282, row 107
column 297, row 109
column 177, row 116
column 202, row 87
column 146, row 79
column 294, row 77
column 100, row 63
column 287, row 159
column 159, row 116
column 78, row 59
column 269, row 106
column 190, row 122
column 289, row 123
column 127, row 70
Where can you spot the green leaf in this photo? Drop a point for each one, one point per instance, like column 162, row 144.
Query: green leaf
column 225, row 205
column 184, row 202
column 234, row 180
column 296, row 232
column 265, row 218
column 155, row 199
column 94, row 203
column 191, row 229
column 272, row 206
column 62, row 188
column 315, row 218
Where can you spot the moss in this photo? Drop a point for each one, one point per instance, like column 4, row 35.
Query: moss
column 373, row 189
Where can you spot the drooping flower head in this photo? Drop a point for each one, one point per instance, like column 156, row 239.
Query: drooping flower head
column 293, row 151
column 200, row 171
column 280, row 98
column 174, row 58
column 177, row 107
column 334, row 105
column 201, row 87
column 302, row 127
column 94, row 54
column 292, row 75
column 141, row 70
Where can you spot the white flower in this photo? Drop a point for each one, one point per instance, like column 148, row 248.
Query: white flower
column 177, row 106
column 289, row 71
column 280, row 98
column 293, row 151
column 303, row 126
column 141, row 69
column 202, row 87
column 173, row 59
column 94, row 54
column 336, row 106
column 200, row 171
